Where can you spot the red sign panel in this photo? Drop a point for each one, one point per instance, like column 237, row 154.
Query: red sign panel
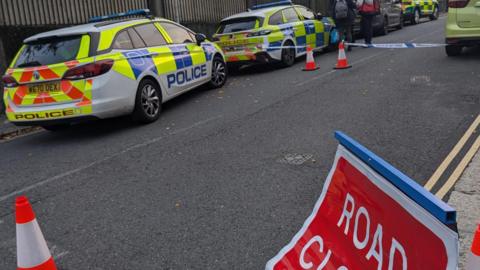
column 363, row 222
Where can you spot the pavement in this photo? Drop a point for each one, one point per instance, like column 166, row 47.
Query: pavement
column 5, row 126
column 465, row 198
column 212, row 184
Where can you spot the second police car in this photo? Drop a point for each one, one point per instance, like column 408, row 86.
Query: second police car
column 274, row 32
column 108, row 68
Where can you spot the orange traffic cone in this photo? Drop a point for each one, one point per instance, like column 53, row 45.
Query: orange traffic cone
column 310, row 65
column 32, row 250
column 342, row 62
column 473, row 260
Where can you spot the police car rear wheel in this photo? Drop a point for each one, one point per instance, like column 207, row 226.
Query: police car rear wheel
column 148, row 102
column 288, row 55
column 219, row 73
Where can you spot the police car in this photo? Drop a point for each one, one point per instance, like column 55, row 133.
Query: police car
column 274, row 32
column 110, row 67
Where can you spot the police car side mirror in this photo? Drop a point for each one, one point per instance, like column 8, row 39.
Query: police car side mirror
column 200, row 38
column 319, row 16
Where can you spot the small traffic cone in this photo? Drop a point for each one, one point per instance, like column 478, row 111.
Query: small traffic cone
column 32, row 250
column 473, row 260
column 342, row 62
column 310, row 65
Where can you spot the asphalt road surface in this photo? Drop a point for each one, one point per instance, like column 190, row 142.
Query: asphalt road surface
column 226, row 177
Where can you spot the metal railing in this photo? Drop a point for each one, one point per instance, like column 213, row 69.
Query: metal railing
column 60, row 12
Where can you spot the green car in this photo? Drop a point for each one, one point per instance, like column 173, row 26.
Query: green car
column 463, row 25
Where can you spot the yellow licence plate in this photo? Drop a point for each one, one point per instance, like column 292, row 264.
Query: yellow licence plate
column 234, row 42
column 44, row 88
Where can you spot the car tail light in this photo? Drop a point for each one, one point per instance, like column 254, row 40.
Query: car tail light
column 9, row 81
column 259, row 33
column 89, row 70
column 457, row 3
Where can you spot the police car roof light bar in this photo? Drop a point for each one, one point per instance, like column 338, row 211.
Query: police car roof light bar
column 273, row 4
column 135, row 12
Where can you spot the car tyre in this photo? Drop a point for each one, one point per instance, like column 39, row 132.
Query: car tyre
column 219, row 73
column 384, row 30
column 416, row 17
column 453, row 50
column 148, row 102
column 288, row 55
column 435, row 13
column 400, row 24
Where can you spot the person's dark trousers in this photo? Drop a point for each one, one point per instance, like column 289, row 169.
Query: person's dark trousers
column 344, row 28
column 367, row 28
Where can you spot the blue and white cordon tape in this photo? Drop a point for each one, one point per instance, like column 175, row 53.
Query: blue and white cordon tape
column 405, row 45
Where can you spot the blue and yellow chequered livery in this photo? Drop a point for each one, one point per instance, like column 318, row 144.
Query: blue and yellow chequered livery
column 413, row 10
column 279, row 31
column 107, row 68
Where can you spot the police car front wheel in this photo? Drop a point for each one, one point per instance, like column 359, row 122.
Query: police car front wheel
column 148, row 102
column 219, row 73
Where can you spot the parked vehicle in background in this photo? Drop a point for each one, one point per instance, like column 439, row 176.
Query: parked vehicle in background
column 390, row 17
column 414, row 10
column 463, row 25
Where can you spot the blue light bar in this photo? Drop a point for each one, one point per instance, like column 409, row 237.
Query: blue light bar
column 273, row 4
column 436, row 207
column 136, row 12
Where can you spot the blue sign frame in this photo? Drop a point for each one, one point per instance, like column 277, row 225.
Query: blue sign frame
column 436, row 207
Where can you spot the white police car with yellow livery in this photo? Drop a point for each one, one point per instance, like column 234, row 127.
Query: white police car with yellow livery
column 274, row 32
column 110, row 67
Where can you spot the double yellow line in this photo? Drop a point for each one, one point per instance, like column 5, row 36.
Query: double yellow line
column 455, row 176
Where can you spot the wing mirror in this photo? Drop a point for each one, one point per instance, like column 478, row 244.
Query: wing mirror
column 200, row 38
column 319, row 16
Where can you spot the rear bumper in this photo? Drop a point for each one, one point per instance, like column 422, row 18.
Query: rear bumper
column 259, row 57
column 110, row 95
column 71, row 120
column 463, row 41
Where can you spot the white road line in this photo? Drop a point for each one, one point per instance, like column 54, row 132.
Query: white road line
column 90, row 165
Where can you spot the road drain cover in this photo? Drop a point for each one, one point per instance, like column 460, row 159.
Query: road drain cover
column 295, row 159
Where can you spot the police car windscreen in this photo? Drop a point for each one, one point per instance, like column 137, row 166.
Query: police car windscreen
column 49, row 51
column 238, row 25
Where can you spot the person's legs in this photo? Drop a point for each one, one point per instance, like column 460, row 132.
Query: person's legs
column 368, row 28
column 349, row 36
column 341, row 27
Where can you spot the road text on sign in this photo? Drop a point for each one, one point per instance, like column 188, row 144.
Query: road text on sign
column 362, row 221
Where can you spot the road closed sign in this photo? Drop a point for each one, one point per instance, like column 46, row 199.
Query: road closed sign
column 371, row 217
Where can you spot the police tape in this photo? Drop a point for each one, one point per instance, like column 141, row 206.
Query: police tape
column 405, row 45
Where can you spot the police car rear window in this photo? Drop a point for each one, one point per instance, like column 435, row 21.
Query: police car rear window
column 49, row 51
column 238, row 25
